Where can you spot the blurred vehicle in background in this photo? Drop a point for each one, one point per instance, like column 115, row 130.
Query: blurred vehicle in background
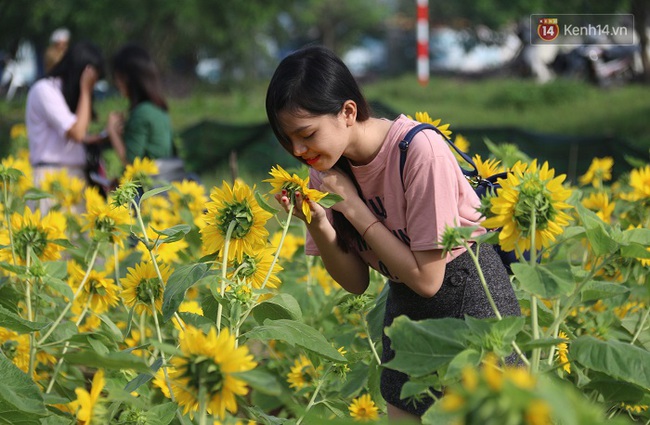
column 471, row 50
column 367, row 59
column 603, row 65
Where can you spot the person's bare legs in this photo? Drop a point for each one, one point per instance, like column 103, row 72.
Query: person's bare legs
column 395, row 413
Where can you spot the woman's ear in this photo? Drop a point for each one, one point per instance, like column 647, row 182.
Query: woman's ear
column 349, row 111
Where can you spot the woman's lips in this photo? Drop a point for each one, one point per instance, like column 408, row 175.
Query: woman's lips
column 313, row 160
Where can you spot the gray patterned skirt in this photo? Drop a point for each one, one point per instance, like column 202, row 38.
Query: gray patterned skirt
column 461, row 294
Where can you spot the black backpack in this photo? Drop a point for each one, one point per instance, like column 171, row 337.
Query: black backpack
column 482, row 186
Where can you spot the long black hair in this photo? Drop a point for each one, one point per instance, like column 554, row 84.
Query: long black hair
column 315, row 80
column 140, row 74
column 69, row 69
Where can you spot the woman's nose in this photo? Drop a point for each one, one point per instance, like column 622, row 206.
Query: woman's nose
column 298, row 148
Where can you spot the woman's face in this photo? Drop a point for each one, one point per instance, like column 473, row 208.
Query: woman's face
column 120, row 83
column 320, row 140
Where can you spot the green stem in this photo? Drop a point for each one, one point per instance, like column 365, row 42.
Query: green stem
column 313, row 397
column 56, row 323
column 30, row 314
column 55, row 373
column 117, row 262
column 8, row 220
column 576, row 293
column 641, row 325
column 285, row 230
column 370, row 342
column 556, row 330
column 224, row 273
column 537, row 352
column 154, row 313
column 488, row 294
column 203, row 405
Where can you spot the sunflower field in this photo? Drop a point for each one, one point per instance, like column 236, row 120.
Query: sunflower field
column 174, row 303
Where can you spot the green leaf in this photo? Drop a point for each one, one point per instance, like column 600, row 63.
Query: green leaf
column 596, row 290
column 174, row 233
column 16, row 323
column 153, row 192
column 264, row 204
column 180, row 281
column 281, row 306
column 143, row 378
column 59, row 286
column 57, row 269
column 546, row 281
column 330, row 199
column 112, row 360
column 161, row 414
column 494, row 334
column 64, row 243
column 619, row 360
column 33, row 194
column 598, row 232
column 167, row 348
column 422, row 347
column 261, row 380
column 296, row 334
column 469, row 357
column 375, row 317
column 19, row 394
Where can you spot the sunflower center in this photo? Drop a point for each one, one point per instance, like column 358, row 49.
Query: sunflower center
column 148, row 290
column 30, row 237
column 533, row 199
column 95, row 287
column 241, row 214
column 10, row 349
column 248, row 267
column 105, row 224
column 203, row 371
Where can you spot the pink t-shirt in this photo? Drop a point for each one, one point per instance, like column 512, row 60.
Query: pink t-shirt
column 48, row 118
column 436, row 194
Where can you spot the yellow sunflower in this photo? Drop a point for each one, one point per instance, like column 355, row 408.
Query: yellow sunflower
column 538, row 412
column 255, row 266
column 600, row 170
column 563, row 353
column 105, row 221
column 489, row 167
column 323, row 278
column 142, row 287
column 289, row 246
column 187, row 307
column 534, row 193
column 282, row 180
column 99, row 292
column 363, row 409
column 191, row 195
column 33, row 233
column 140, row 171
column 424, row 117
column 209, row 362
column 25, row 181
column 600, row 204
column 238, row 205
column 166, row 252
column 301, row 373
column 640, row 183
column 67, row 190
column 89, row 403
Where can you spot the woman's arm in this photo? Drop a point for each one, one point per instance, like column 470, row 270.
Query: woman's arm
column 422, row 271
column 115, row 128
column 87, row 82
column 346, row 268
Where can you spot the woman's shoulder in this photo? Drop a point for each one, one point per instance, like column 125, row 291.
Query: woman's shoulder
column 148, row 110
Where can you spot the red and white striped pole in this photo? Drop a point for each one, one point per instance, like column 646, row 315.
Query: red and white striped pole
column 422, row 35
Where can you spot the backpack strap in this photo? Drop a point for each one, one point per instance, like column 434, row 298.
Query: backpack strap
column 406, row 141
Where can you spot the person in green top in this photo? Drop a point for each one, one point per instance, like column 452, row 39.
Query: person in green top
column 147, row 131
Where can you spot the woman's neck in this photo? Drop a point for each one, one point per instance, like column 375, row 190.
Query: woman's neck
column 368, row 138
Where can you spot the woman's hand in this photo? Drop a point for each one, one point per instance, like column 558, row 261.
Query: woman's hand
column 89, row 77
column 317, row 211
column 334, row 181
column 115, row 123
